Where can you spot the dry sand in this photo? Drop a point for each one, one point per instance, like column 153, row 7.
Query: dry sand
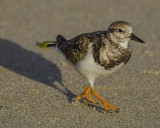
column 37, row 86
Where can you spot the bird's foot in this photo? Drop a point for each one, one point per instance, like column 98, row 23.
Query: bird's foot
column 86, row 93
column 105, row 103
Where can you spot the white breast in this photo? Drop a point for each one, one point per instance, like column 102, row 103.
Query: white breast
column 90, row 69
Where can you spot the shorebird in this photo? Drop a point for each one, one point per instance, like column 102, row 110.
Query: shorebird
column 96, row 54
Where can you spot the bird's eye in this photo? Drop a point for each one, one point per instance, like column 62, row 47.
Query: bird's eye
column 120, row 30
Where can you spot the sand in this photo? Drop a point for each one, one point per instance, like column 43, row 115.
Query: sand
column 37, row 86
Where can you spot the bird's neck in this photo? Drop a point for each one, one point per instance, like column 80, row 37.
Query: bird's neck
column 125, row 43
column 118, row 41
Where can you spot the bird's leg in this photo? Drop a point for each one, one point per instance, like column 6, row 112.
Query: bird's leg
column 105, row 104
column 87, row 95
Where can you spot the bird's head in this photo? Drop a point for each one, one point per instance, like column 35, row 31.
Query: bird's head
column 120, row 32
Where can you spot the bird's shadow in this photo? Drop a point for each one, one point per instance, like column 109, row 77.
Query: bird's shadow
column 34, row 66
column 31, row 65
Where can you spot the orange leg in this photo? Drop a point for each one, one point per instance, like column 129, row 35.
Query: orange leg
column 87, row 95
column 105, row 104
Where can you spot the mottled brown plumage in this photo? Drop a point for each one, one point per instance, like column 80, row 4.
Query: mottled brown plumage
column 116, row 55
column 76, row 48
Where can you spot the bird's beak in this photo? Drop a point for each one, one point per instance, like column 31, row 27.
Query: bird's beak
column 135, row 38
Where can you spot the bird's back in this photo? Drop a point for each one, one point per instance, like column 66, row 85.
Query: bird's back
column 76, row 48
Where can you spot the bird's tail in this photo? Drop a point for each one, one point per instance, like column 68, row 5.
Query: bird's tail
column 60, row 40
column 47, row 44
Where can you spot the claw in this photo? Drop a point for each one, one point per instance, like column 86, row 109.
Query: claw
column 117, row 110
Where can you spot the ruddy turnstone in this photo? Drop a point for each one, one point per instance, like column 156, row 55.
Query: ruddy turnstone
column 96, row 54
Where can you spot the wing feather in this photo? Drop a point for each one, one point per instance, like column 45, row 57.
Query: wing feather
column 76, row 48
